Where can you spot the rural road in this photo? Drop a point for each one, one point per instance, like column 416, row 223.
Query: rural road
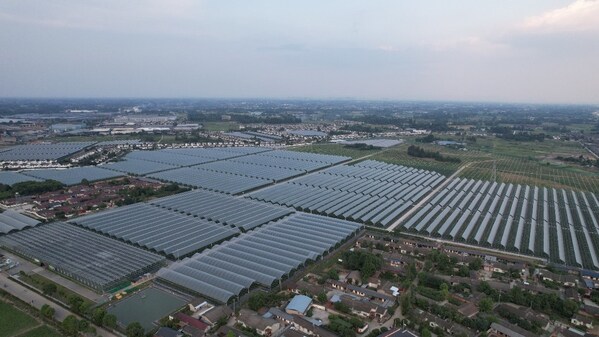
column 36, row 300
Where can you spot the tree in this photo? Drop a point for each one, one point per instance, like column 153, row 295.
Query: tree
column 485, row 305
column 98, row 316
column 231, row 334
column 47, row 311
column 322, row 297
column 444, row 288
column 109, row 320
column 426, row 333
column 49, row 288
column 70, row 325
column 476, row 264
column 75, row 303
column 135, row 330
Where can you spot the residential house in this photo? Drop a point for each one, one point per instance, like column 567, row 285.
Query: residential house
column 581, row 320
column 263, row 326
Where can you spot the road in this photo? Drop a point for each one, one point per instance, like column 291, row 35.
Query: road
column 37, row 301
column 426, row 198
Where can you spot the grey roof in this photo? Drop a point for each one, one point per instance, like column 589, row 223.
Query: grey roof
column 557, row 224
column 375, row 142
column 364, row 194
column 261, row 256
column 138, row 166
column 210, row 180
column 43, row 151
column 92, row 259
column 74, row 175
column 223, row 209
column 158, row 229
column 299, row 303
column 11, row 177
column 13, row 221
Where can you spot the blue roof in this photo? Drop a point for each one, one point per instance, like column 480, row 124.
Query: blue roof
column 299, row 303
column 590, row 273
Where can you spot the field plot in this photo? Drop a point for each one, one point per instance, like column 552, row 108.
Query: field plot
column 263, row 256
column 211, row 180
column 138, row 166
column 10, row 178
column 89, row 258
column 73, row 176
column 43, row 151
column 531, row 172
column 372, row 195
column 158, row 229
column 557, row 224
column 13, row 320
column 398, row 155
column 146, row 307
column 12, row 221
column 224, row 209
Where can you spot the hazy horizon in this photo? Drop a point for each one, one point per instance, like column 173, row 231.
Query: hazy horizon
column 526, row 52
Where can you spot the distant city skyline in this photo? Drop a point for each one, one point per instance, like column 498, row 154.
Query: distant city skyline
column 492, row 51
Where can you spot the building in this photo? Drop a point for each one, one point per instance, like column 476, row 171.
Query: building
column 505, row 329
column 299, row 305
column 212, row 316
column 580, row 320
column 167, row 332
column 193, row 326
column 263, row 326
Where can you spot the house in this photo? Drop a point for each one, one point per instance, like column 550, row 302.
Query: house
column 353, row 277
column 468, row 309
column 363, row 292
column 580, row 320
column 505, row 329
column 307, row 327
column 298, row 305
column 198, row 304
column 191, row 326
column 364, row 307
column 526, row 313
column 167, row 332
column 567, row 280
column 263, row 326
column 496, row 267
column 212, row 316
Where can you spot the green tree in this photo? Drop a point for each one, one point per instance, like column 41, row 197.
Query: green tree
column 476, row 264
column 47, row 311
column 135, row 330
column 485, row 305
column 444, row 288
column 49, row 288
column 109, row 320
column 426, row 333
column 75, row 303
column 98, row 316
column 231, row 334
column 70, row 325
column 322, row 297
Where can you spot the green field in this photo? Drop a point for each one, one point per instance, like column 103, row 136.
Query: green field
column 531, row 163
column 334, row 149
column 42, row 331
column 13, row 321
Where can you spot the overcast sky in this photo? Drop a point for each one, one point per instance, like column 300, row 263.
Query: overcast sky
column 491, row 50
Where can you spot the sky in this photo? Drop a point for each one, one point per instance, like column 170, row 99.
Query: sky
column 537, row 51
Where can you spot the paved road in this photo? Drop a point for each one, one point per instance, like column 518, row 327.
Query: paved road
column 37, row 301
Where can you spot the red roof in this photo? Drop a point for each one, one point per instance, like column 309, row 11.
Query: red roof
column 191, row 321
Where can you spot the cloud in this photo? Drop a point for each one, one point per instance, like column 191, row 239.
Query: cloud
column 580, row 16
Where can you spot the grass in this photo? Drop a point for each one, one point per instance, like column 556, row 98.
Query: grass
column 220, row 126
column 334, row 149
column 13, row 320
column 42, row 331
column 62, row 294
